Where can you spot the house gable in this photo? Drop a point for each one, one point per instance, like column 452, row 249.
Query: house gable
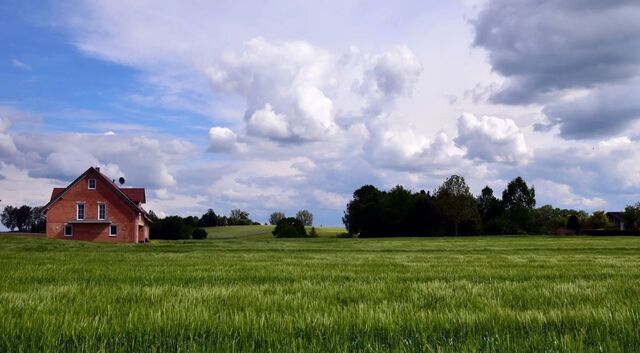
column 94, row 208
column 132, row 197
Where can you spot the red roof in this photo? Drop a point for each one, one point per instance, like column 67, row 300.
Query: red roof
column 135, row 194
column 56, row 192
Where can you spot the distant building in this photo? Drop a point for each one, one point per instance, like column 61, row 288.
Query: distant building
column 94, row 208
column 617, row 219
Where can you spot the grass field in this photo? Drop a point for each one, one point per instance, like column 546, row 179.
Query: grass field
column 243, row 291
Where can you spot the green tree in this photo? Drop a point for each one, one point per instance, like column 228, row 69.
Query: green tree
column 275, row 217
column 573, row 223
column 289, row 228
column 23, row 218
column 239, row 217
column 37, row 220
column 456, row 202
column 199, row 233
column 631, row 216
column 364, row 213
column 9, row 218
column 519, row 200
column 599, row 220
column 305, row 217
column 208, row 219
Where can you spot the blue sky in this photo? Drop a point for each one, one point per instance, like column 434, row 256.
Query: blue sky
column 286, row 105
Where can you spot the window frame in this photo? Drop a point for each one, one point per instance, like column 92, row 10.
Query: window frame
column 104, row 217
column 111, row 227
column 89, row 184
column 84, row 209
column 69, row 226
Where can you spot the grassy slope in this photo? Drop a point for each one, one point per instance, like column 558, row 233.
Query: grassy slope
column 256, row 293
column 260, row 232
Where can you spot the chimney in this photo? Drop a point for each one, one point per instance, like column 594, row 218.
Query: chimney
column 98, row 169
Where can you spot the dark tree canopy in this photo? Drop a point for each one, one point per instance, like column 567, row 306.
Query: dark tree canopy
column 456, row 202
column 518, row 194
column 208, row 219
column 631, row 216
column 24, row 218
column 289, row 228
column 573, row 223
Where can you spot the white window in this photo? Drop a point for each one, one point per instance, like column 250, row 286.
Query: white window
column 68, row 230
column 102, row 211
column 113, row 230
column 80, row 211
column 92, row 184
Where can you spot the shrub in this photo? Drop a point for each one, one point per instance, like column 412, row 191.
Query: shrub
column 289, row 228
column 199, row 233
column 313, row 233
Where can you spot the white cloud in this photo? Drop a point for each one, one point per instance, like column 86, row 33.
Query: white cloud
column 492, row 139
column 331, row 199
column 222, row 139
column 298, row 92
column 7, row 147
column 267, row 123
column 563, row 195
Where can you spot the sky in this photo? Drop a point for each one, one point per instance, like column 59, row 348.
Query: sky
column 287, row 105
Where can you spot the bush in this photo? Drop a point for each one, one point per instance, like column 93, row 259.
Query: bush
column 199, row 233
column 172, row 227
column 313, row 233
column 289, row 228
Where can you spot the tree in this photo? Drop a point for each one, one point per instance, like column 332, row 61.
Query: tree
column 573, row 223
column 456, row 202
column 398, row 206
column 208, row 219
column 239, row 217
column 191, row 221
column 199, row 233
column 9, row 219
column 23, row 218
column 363, row 215
column 289, row 228
column 37, row 220
column 275, row 217
column 305, row 217
column 518, row 194
column 599, row 220
column 490, row 209
column 519, row 200
column 171, row 227
column 631, row 216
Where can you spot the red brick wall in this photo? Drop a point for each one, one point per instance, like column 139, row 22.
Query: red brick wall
column 118, row 212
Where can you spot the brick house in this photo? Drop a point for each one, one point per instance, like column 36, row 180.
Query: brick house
column 94, row 208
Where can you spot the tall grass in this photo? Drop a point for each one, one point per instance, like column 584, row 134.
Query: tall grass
column 514, row 294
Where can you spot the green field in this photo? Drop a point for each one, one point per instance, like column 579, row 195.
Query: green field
column 244, row 291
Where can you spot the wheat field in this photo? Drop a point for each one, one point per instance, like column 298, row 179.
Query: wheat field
column 252, row 293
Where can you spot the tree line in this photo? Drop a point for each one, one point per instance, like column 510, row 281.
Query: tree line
column 453, row 210
column 24, row 219
column 190, row 227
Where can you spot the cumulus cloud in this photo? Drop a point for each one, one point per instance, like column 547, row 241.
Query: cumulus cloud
column 492, row 139
column 548, row 50
column 222, row 139
column 142, row 160
column 7, row 147
column 564, row 195
column 404, row 149
column 297, row 92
